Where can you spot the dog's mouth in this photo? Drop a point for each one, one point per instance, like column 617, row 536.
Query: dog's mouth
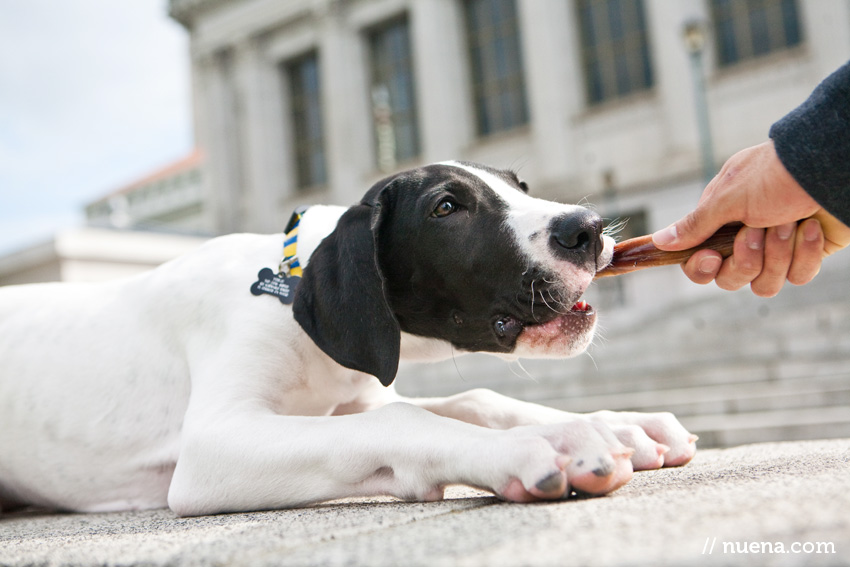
column 582, row 307
column 575, row 320
column 563, row 335
column 548, row 316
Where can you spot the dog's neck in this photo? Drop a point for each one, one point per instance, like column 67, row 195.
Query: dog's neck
column 317, row 223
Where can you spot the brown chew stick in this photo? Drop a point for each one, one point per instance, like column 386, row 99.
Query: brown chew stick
column 639, row 253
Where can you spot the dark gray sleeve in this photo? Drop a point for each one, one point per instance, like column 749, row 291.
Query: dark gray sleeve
column 813, row 142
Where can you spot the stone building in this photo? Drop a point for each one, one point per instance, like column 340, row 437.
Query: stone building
column 93, row 254
column 626, row 104
column 130, row 230
column 172, row 198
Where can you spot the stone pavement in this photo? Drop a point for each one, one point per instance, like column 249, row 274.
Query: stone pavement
column 743, row 498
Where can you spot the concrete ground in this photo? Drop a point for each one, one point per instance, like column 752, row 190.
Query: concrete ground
column 726, row 507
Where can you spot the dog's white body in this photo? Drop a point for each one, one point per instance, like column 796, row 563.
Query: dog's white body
column 178, row 387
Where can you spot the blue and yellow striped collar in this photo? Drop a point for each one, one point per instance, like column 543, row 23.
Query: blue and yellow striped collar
column 290, row 265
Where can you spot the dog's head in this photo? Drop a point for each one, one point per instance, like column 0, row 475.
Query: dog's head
column 457, row 252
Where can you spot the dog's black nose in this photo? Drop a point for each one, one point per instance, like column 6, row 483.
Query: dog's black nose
column 576, row 236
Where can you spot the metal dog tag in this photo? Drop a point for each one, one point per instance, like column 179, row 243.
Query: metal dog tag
column 278, row 285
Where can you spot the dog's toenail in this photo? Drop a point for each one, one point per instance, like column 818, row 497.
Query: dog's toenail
column 550, row 483
column 604, row 469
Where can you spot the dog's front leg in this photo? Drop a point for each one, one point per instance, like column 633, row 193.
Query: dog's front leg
column 252, row 459
column 658, row 439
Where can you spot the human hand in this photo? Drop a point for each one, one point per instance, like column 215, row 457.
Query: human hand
column 755, row 188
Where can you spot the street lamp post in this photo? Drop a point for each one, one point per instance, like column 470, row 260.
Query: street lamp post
column 694, row 36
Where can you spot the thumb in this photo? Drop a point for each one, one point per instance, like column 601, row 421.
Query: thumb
column 687, row 232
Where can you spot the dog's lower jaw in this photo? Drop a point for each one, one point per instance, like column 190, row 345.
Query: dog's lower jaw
column 565, row 336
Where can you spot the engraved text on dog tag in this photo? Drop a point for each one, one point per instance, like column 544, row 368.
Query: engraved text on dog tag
column 278, row 285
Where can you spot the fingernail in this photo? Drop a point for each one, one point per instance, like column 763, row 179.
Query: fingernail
column 665, row 235
column 709, row 265
column 785, row 231
column 811, row 230
column 754, row 238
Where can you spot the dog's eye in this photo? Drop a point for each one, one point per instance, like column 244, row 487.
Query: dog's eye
column 524, row 186
column 445, row 208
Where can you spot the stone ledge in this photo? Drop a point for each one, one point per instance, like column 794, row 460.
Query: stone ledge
column 750, row 496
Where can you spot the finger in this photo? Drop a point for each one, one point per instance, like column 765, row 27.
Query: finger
column 836, row 233
column 745, row 263
column 688, row 231
column 808, row 252
column 703, row 266
column 778, row 253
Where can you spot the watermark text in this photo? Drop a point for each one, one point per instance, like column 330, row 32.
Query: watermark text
column 767, row 547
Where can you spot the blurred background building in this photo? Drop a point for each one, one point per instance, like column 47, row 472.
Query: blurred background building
column 172, row 198
column 628, row 105
column 130, row 230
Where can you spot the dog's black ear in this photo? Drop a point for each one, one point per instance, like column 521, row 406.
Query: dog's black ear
column 341, row 301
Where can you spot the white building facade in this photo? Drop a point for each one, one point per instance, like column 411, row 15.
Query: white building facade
column 300, row 102
column 128, row 231
column 312, row 101
column 92, row 254
column 172, row 198
column 571, row 139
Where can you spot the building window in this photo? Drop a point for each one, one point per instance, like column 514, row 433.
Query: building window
column 614, row 48
column 752, row 28
column 498, row 87
column 308, row 137
column 393, row 97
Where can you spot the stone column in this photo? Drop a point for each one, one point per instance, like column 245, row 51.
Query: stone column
column 346, row 111
column 217, row 118
column 442, row 79
column 553, row 86
column 255, row 76
column 673, row 80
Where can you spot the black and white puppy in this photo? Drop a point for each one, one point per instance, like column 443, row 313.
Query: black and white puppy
column 180, row 387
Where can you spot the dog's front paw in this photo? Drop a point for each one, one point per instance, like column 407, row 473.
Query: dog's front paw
column 524, row 467
column 591, row 459
column 657, row 438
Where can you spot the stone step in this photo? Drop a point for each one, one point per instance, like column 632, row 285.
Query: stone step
column 578, row 378
column 640, row 359
column 724, row 430
column 732, row 398
column 720, row 374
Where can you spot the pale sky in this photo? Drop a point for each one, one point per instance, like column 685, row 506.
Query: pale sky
column 93, row 95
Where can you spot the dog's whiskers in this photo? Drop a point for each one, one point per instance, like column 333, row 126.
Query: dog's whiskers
column 525, row 373
column 547, row 304
column 559, row 302
column 454, row 360
column 593, row 360
column 615, row 226
column 532, row 300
